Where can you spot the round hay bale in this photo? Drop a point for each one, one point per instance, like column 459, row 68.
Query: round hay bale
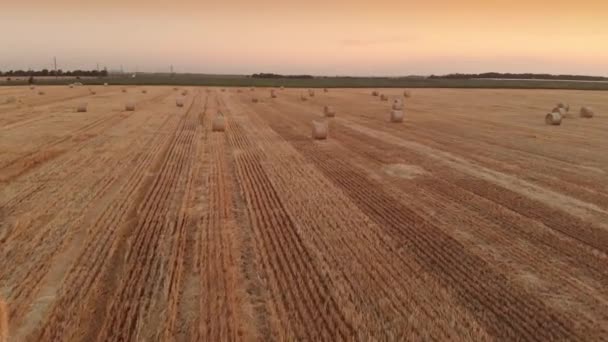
column 325, row 90
column 105, row 84
column 383, row 97
column 560, row 110
column 273, row 93
column 175, row 89
column 586, row 112
column 92, row 92
column 303, row 98
column 311, row 93
column 71, row 86
column 239, row 91
column 130, row 106
column 397, row 104
column 223, row 90
column 553, row 118
column 179, row 102
column 396, row 116
column 184, row 93
column 329, row 111
column 254, row 100
column 144, row 91
column 40, row 92
column 218, row 124
column 407, row 93
column 319, row 130
column 282, row 87
column 32, row 87
column 81, row 108
column 3, row 321
column 124, row 90
column 375, row 93
column 252, row 89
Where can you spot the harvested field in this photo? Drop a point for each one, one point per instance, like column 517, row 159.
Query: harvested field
column 471, row 220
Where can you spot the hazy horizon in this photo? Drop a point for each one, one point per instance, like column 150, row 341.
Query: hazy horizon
column 355, row 38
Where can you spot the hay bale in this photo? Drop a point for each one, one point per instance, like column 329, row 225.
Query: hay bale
column 40, row 92
column 175, row 89
column 184, row 93
column 3, row 321
column 71, row 86
column 397, row 104
column 303, row 98
column 124, row 90
column 252, row 89
column 92, row 92
column 407, row 93
column 319, row 130
column 254, row 99
column 553, row 118
column 560, row 110
column 219, row 124
column 325, row 90
column 273, row 93
column 375, row 93
column 144, row 91
column 282, row 87
column 223, row 90
column 396, row 116
column 10, row 99
column 383, row 97
column 311, row 93
column 105, row 84
column 32, row 87
column 179, row 102
column 239, row 91
column 586, row 112
column 81, row 108
column 329, row 111
column 130, row 106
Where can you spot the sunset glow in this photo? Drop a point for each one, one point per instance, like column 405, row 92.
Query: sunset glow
column 381, row 37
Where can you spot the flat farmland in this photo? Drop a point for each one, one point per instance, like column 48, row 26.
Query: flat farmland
column 471, row 220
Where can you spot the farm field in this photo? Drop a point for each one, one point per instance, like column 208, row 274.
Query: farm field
column 470, row 221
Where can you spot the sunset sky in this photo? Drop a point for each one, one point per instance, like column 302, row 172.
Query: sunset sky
column 330, row 37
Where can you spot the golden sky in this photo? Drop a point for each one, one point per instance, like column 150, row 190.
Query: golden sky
column 380, row 37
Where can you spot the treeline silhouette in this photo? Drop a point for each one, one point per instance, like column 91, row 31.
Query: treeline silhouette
column 46, row 72
column 521, row 76
column 270, row 75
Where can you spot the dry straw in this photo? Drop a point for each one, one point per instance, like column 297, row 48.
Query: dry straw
column 130, row 106
column 586, row 112
column 219, row 124
column 3, row 321
column 81, row 108
column 396, row 116
column 329, row 111
column 397, row 104
column 319, row 130
column 179, row 102
column 554, row 118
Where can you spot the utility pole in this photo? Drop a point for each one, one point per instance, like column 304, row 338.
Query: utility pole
column 55, row 63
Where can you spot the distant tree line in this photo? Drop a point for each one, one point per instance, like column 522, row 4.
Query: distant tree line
column 269, row 75
column 521, row 76
column 46, row 72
